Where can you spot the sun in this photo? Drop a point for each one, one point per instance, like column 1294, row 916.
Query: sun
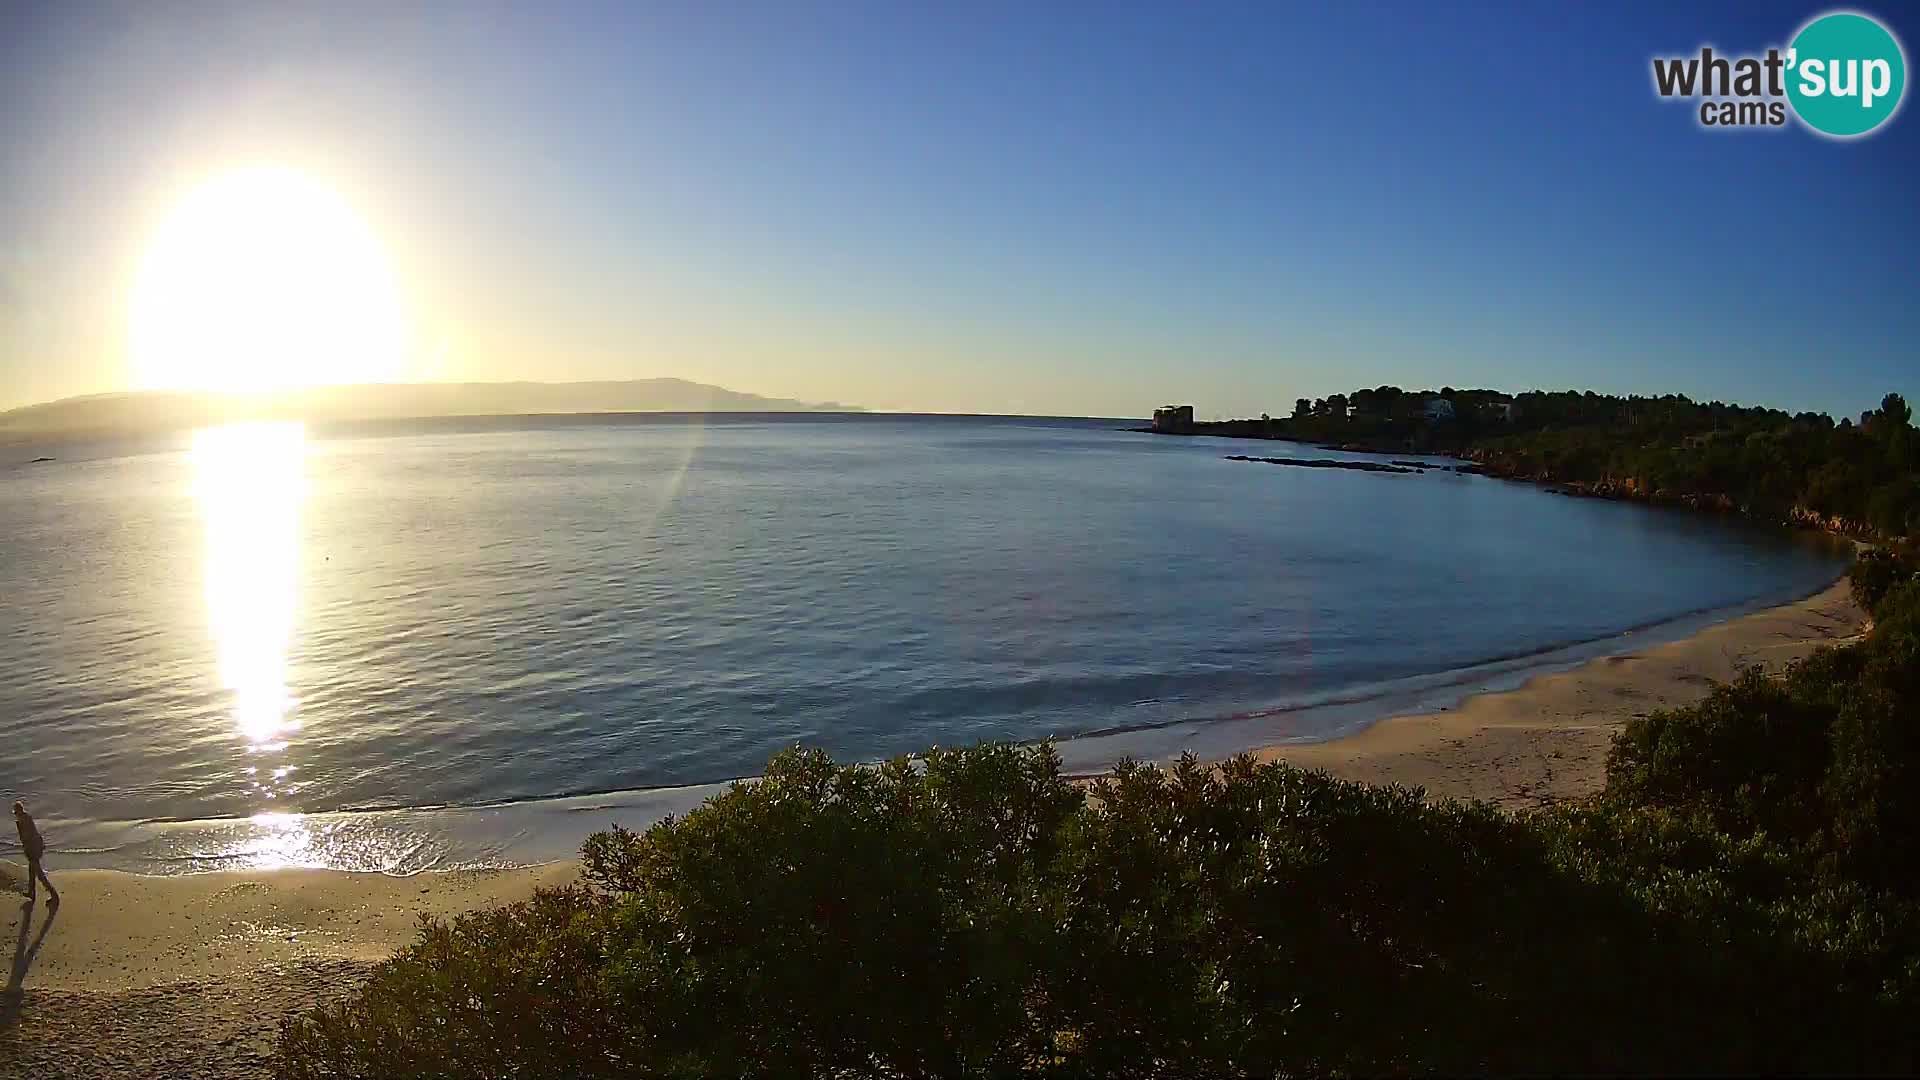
column 262, row 280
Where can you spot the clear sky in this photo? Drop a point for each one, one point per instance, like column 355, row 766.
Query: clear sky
column 1025, row 207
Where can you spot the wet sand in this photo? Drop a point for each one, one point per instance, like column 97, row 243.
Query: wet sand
column 190, row 976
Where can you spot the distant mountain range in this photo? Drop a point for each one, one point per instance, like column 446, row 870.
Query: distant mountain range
column 154, row 411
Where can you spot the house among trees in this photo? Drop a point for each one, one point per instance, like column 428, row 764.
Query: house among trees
column 1173, row 418
column 1438, row 408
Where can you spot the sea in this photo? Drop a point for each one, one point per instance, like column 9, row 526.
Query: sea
column 446, row 644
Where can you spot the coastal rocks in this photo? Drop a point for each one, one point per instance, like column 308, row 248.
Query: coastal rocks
column 1325, row 463
column 1608, row 488
column 1633, row 489
column 1397, row 465
column 1806, row 517
column 1636, row 489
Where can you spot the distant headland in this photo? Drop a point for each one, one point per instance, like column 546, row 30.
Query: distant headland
column 158, row 411
column 1858, row 477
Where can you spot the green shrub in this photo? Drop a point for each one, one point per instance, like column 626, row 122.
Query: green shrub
column 977, row 914
column 1874, row 780
column 829, row 918
column 1824, row 760
column 511, row 992
column 1875, row 573
column 1749, row 758
column 1898, row 612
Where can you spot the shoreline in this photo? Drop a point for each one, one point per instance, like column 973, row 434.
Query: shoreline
column 1543, row 740
column 191, row 974
column 441, row 840
column 1546, row 741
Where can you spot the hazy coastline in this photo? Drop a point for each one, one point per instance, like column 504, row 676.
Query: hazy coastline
column 148, row 413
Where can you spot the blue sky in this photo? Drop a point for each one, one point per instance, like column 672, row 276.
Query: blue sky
column 1050, row 208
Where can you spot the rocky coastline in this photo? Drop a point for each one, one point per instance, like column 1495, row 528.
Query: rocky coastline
column 1635, row 489
column 1478, row 461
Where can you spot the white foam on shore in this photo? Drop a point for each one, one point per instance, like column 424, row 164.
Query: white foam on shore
column 403, row 841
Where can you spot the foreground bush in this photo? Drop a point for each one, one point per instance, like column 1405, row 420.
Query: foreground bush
column 981, row 916
column 1824, row 760
column 512, row 992
column 1877, row 572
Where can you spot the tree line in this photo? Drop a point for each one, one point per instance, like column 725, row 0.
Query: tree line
column 1863, row 475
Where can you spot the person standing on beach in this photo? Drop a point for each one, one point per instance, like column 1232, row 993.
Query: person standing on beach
column 36, row 849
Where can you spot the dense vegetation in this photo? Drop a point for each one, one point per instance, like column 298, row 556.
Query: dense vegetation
column 1744, row 896
column 1862, row 476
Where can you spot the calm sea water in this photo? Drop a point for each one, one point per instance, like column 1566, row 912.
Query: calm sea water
column 232, row 649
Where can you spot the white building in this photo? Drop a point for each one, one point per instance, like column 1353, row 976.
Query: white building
column 1173, row 418
column 1439, row 408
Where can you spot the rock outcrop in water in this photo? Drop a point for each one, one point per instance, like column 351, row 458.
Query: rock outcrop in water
column 1394, row 466
column 1325, row 463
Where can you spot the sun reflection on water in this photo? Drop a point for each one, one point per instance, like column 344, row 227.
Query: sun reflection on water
column 279, row 841
column 250, row 480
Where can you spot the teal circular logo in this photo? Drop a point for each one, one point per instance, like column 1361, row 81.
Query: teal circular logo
column 1846, row 74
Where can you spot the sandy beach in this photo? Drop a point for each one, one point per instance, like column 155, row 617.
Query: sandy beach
column 1546, row 741
column 145, row 976
column 189, row 976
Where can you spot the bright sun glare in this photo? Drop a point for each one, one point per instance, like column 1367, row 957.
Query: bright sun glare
column 250, row 480
column 262, row 280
